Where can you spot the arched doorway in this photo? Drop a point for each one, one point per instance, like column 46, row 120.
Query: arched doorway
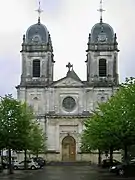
column 68, row 149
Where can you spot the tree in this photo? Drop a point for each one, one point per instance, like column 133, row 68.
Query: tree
column 113, row 123
column 15, row 125
column 37, row 140
column 99, row 132
column 24, row 127
column 108, row 125
column 9, row 115
column 126, row 124
column 91, row 138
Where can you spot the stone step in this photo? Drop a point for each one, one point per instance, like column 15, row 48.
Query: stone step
column 65, row 163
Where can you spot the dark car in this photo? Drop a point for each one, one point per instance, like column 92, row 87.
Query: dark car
column 106, row 163
column 124, row 169
column 39, row 160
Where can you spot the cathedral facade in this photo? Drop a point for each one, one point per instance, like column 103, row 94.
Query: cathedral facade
column 62, row 106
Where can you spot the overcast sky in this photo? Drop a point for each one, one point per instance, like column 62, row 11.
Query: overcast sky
column 69, row 23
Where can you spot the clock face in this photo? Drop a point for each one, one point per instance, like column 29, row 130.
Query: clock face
column 102, row 38
column 69, row 103
column 36, row 39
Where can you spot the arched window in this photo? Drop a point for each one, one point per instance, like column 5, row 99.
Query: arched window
column 102, row 68
column 36, row 68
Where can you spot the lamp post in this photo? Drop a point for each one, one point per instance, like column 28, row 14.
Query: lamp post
column 45, row 124
column 45, row 131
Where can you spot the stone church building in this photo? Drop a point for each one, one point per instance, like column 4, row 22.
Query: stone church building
column 62, row 106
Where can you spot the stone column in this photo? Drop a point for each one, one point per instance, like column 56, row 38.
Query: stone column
column 57, row 137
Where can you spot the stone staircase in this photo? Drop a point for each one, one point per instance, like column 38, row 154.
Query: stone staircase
column 65, row 163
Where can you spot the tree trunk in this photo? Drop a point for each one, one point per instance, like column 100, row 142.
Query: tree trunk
column 2, row 156
column 111, row 154
column 29, row 155
column 25, row 159
column 10, row 163
column 99, row 157
column 106, row 153
column 2, row 159
column 125, row 153
column 37, row 154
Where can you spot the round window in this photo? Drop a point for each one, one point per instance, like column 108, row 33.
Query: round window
column 69, row 103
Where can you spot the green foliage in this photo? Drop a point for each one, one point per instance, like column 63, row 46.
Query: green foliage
column 113, row 123
column 18, row 129
column 37, row 140
column 25, row 125
column 91, row 138
column 10, row 111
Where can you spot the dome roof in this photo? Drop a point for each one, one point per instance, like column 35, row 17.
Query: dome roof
column 102, row 32
column 37, row 33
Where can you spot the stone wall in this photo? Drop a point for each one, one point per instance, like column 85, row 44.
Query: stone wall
column 87, row 157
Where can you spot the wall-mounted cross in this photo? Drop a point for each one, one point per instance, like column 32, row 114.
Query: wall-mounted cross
column 69, row 66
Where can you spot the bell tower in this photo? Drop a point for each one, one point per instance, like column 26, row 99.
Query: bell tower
column 37, row 55
column 102, row 55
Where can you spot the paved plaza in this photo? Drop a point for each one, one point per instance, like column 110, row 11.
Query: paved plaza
column 64, row 173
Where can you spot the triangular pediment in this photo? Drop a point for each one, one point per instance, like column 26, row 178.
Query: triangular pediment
column 67, row 81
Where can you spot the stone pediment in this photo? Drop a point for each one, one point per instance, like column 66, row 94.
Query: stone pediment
column 67, row 81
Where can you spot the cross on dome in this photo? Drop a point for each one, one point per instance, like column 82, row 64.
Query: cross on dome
column 39, row 10
column 101, row 10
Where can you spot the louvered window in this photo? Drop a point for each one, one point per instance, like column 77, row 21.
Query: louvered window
column 102, row 68
column 36, row 68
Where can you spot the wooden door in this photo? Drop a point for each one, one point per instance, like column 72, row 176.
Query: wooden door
column 68, row 149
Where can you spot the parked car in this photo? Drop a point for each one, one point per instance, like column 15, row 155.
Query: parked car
column 41, row 162
column 5, row 164
column 14, row 161
column 132, row 160
column 124, row 169
column 106, row 163
column 31, row 165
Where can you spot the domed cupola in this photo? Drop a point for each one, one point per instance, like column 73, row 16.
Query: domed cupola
column 102, row 33
column 102, row 36
column 37, row 38
column 37, row 33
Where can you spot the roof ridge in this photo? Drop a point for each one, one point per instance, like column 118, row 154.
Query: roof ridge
column 72, row 74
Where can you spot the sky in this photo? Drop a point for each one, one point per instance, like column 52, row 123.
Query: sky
column 69, row 23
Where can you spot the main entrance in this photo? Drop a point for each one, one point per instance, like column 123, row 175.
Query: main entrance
column 68, row 149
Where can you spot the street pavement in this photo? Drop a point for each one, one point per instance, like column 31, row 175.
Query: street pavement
column 18, row 174
column 65, row 173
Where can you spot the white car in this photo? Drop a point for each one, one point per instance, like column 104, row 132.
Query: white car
column 14, row 161
column 31, row 165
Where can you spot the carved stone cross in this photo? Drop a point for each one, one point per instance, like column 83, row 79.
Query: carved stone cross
column 69, row 66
